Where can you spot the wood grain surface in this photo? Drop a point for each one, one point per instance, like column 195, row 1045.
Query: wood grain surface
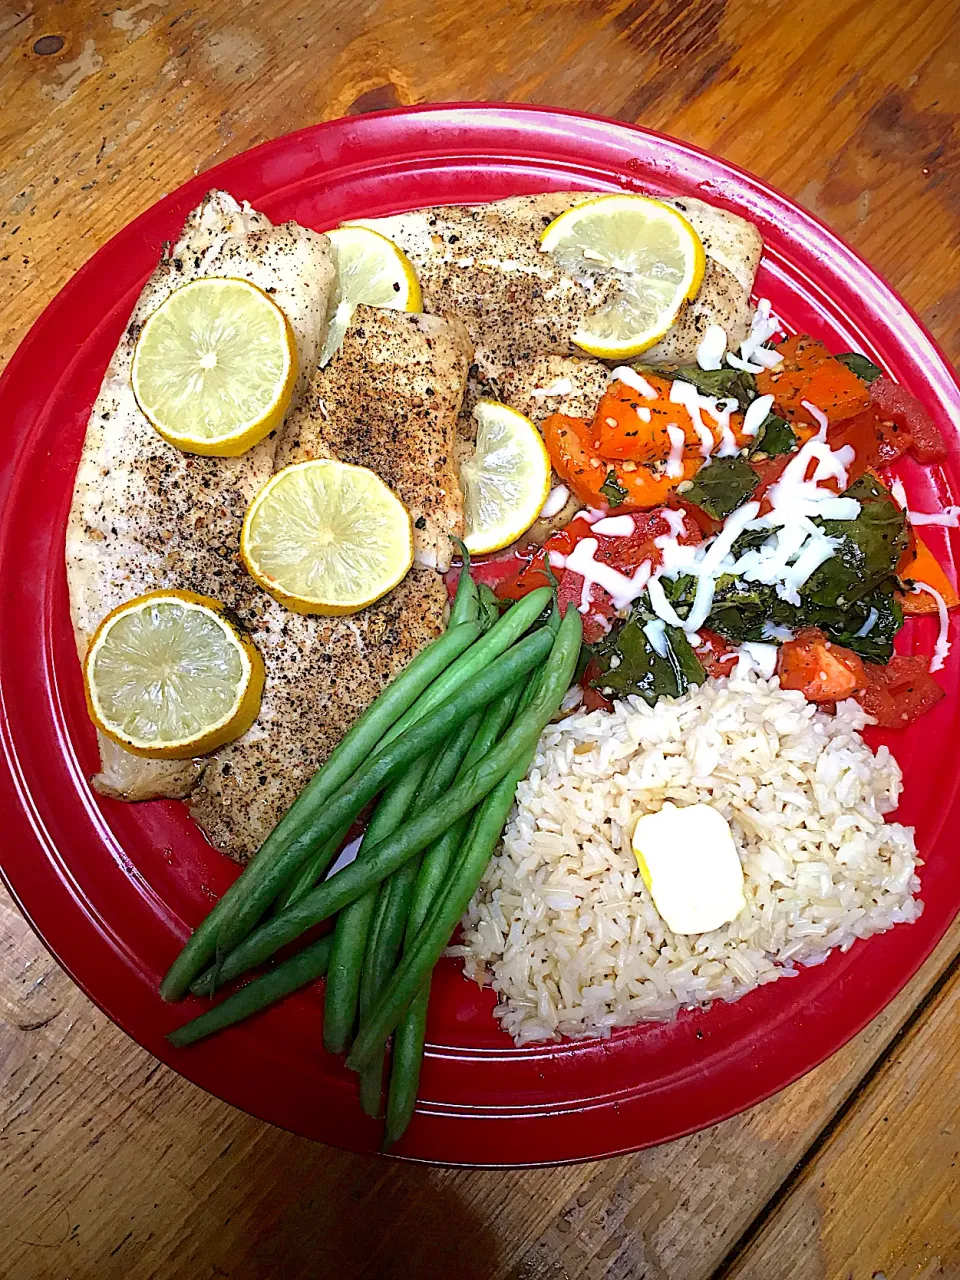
column 113, row 1167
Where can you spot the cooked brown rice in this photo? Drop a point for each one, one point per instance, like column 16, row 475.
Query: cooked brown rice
column 563, row 925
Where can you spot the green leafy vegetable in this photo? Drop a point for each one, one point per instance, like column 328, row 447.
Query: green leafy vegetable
column 854, row 586
column 721, row 486
column 612, row 491
column 630, row 664
column 774, row 437
column 868, row 551
column 722, row 384
column 865, row 369
column 879, row 611
column 744, row 610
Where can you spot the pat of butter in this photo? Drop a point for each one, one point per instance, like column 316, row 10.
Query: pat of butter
column 689, row 863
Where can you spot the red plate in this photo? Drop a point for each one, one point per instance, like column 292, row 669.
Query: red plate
column 113, row 889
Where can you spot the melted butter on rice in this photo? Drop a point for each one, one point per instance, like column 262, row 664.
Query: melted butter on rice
column 564, row 927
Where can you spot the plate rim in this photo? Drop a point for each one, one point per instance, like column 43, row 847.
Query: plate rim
column 172, row 201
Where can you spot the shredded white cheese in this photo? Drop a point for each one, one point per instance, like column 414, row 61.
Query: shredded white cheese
column 622, row 590
column 756, row 414
column 712, row 347
column 556, row 500
column 655, row 631
column 623, row 373
column 562, row 387
column 616, row 527
column 949, row 517
column 941, row 649
column 676, row 521
column 677, row 439
column 754, row 357
column 754, row 656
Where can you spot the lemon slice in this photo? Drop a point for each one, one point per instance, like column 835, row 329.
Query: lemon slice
column 215, row 367
column 507, row 479
column 170, row 675
column 654, row 256
column 371, row 270
column 326, row 537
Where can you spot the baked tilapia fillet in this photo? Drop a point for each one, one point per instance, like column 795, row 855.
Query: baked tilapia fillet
column 146, row 516
column 484, row 264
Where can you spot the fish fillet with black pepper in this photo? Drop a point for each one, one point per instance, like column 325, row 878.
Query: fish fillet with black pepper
column 484, row 264
column 144, row 514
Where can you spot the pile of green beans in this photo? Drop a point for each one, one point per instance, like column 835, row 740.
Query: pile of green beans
column 441, row 751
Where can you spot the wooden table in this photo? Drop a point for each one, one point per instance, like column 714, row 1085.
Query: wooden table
column 110, row 1165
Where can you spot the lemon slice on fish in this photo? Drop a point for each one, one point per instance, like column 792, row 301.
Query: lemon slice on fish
column 371, row 270
column 506, row 481
column 326, row 537
column 652, row 252
column 171, row 675
column 215, row 367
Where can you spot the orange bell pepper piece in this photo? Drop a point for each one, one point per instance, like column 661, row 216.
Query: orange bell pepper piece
column 924, row 567
column 809, row 372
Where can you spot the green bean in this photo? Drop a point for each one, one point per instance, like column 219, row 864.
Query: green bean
column 485, row 829
column 306, row 878
column 354, row 880
column 466, row 601
column 386, row 938
column 364, row 737
column 408, row 1040
column 405, row 1063
column 306, row 966
column 353, row 923
column 437, row 858
column 518, row 619
column 429, row 945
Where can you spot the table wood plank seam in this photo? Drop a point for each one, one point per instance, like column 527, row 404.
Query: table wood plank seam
column 887, row 1055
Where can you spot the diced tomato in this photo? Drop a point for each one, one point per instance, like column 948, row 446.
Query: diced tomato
column 810, row 373
column 861, row 435
column 896, row 694
column 593, row 699
column 596, row 622
column 628, row 553
column 875, row 440
column 769, row 470
column 895, row 404
column 532, row 573
column 821, row 670
column 717, row 657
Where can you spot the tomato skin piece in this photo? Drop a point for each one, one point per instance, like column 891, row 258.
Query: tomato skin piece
column 717, row 657
column 898, row 693
column 593, row 699
column 769, row 470
column 821, row 670
column 598, row 619
column 896, row 404
column 534, row 574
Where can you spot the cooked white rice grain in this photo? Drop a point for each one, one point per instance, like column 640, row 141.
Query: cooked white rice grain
column 563, row 925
